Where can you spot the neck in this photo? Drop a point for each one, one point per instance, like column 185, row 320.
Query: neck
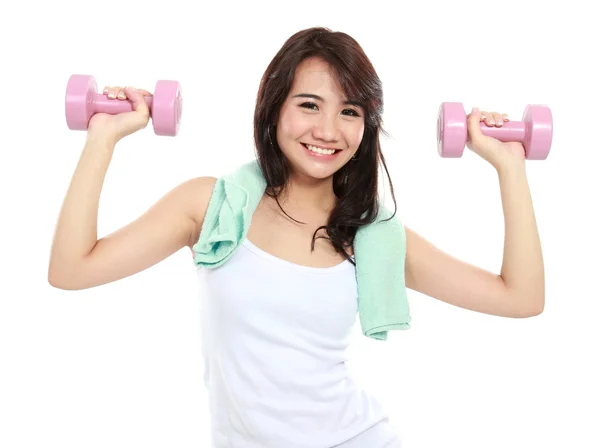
column 308, row 194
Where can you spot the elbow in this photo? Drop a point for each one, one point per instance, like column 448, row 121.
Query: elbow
column 539, row 303
column 61, row 285
column 53, row 278
column 532, row 308
column 529, row 303
column 61, row 279
column 538, row 309
column 58, row 283
column 532, row 312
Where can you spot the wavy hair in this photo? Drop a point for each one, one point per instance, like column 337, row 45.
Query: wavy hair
column 355, row 185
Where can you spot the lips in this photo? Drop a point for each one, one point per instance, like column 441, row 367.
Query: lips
column 319, row 156
column 320, row 147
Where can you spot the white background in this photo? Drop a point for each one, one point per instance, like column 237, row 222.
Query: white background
column 120, row 365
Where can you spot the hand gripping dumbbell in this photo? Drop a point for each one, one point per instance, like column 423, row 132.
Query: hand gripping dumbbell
column 82, row 101
column 534, row 131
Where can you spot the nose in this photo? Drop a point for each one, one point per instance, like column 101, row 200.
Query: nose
column 326, row 129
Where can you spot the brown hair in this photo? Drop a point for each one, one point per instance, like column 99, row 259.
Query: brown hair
column 356, row 183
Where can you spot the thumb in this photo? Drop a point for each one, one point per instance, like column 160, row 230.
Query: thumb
column 473, row 126
column 137, row 98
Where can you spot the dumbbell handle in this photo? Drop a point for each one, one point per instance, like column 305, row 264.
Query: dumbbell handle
column 104, row 104
column 511, row 131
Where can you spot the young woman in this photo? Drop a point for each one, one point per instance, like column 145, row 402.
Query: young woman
column 275, row 367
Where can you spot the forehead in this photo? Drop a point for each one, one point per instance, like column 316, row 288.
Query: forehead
column 316, row 76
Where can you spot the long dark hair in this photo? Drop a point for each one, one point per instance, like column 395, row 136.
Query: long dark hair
column 355, row 185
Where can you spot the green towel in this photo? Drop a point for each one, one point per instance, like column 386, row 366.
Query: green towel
column 379, row 249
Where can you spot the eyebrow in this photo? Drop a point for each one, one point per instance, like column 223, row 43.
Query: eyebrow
column 317, row 97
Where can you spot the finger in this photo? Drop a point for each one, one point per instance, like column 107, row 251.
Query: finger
column 111, row 92
column 144, row 92
column 119, row 92
column 505, row 117
column 498, row 120
column 475, row 136
column 137, row 98
column 473, row 126
column 489, row 118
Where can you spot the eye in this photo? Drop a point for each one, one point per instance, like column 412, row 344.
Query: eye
column 310, row 105
column 354, row 113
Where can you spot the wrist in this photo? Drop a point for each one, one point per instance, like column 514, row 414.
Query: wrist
column 510, row 166
column 104, row 141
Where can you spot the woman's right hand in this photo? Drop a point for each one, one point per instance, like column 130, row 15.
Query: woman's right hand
column 115, row 127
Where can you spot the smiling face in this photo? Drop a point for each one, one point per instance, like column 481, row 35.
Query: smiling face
column 315, row 115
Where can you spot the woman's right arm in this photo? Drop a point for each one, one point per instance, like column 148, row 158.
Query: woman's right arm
column 79, row 260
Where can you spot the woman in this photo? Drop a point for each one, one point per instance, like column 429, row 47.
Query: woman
column 274, row 366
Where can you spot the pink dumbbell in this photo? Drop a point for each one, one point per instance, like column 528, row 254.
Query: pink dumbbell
column 82, row 101
column 534, row 132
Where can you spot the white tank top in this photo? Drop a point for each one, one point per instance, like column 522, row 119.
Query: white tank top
column 274, row 341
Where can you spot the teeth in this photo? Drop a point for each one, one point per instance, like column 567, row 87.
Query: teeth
column 320, row 150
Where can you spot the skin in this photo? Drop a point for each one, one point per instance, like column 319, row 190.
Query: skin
column 80, row 260
column 326, row 123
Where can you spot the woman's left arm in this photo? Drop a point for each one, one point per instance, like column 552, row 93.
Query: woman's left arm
column 519, row 289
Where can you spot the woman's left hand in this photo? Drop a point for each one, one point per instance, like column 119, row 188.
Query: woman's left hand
column 498, row 154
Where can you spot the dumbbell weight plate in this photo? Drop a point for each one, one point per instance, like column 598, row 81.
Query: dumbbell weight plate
column 166, row 108
column 451, row 130
column 78, row 101
column 539, row 130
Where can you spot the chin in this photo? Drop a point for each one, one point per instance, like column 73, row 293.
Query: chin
column 315, row 169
